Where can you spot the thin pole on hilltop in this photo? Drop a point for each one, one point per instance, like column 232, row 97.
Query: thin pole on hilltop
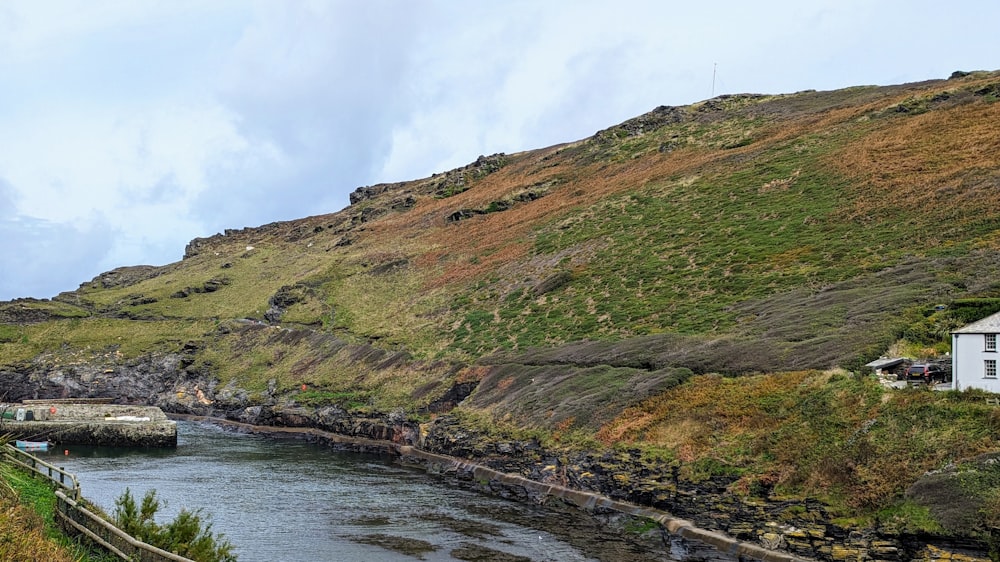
column 714, row 65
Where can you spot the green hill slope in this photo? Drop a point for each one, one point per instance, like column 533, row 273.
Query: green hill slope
column 580, row 289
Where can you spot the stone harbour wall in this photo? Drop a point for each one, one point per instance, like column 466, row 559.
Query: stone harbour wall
column 92, row 424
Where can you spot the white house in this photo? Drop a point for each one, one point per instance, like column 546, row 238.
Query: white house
column 974, row 355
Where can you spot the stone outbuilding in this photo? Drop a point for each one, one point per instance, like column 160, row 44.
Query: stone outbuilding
column 890, row 367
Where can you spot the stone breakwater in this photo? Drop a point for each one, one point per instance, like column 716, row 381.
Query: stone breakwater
column 90, row 424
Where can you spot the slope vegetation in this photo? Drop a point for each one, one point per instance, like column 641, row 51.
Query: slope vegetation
column 601, row 287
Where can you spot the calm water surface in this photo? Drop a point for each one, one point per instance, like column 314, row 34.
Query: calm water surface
column 279, row 499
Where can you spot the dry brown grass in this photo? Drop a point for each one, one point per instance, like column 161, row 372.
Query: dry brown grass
column 502, row 238
column 925, row 162
column 22, row 535
column 691, row 414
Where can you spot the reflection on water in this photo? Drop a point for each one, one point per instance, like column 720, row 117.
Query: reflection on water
column 279, row 499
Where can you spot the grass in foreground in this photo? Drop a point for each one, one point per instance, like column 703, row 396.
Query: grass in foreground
column 27, row 528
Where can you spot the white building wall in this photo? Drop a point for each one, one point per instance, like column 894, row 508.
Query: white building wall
column 968, row 356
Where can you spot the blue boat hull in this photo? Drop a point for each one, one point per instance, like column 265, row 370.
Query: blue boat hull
column 31, row 445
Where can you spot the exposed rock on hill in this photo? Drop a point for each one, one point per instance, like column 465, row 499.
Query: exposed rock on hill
column 126, row 276
column 439, row 185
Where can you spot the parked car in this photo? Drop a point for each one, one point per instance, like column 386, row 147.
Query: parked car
column 928, row 373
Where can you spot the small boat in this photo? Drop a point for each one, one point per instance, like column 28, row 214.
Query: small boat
column 32, row 445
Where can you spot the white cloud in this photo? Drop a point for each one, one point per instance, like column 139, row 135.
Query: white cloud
column 115, row 160
column 43, row 258
column 82, row 172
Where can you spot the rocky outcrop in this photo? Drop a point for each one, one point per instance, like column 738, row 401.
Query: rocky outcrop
column 210, row 286
column 456, row 181
column 285, row 297
column 447, row 184
column 525, row 195
column 289, row 231
column 24, row 311
column 645, row 123
column 372, row 191
column 156, row 379
column 124, row 276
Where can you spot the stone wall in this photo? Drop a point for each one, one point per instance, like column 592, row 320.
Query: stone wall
column 92, row 424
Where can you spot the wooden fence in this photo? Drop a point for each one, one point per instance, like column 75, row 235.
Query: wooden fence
column 76, row 519
column 64, row 480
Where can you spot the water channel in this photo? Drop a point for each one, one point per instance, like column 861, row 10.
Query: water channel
column 281, row 499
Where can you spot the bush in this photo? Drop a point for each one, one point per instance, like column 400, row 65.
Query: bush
column 189, row 534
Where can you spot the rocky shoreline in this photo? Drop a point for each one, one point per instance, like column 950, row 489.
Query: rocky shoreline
column 785, row 529
column 516, row 487
column 781, row 530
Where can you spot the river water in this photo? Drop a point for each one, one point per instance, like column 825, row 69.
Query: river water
column 282, row 499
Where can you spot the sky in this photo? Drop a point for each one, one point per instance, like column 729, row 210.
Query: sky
column 130, row 127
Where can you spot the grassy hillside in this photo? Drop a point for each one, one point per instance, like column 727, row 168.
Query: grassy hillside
column 686, row 220
column 815, row 228
column 602, row 286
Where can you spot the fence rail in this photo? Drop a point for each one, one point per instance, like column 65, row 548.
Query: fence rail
column 60, row 477
column 78, row 520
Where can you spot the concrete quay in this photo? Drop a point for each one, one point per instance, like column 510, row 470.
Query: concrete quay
column 69, row 423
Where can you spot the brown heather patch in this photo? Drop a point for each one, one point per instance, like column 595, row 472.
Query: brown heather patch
column 924, row 162
column 505, row 383
column 472, row 373
column 724, row 405
column 504, row 238
column 22, row 536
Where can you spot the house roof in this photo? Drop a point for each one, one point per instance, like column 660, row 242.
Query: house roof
column 988, row 325
column 885, row 362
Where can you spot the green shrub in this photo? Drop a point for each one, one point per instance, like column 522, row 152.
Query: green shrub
column 189, row 534
column 970, row 310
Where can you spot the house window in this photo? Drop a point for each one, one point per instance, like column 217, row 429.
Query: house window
column 990, row 369
column 991, row 342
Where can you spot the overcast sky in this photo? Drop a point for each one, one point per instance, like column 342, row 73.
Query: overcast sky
column 129, row 127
